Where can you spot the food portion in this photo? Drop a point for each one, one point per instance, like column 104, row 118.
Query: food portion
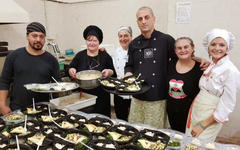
column 68, row 125
column 107, row 83
column 48, row 118
column 130, row 80
column 174, row 144
column 153, row 140
column 210, row 146
column 94, row 129
column 103, row 144
column 20, row 131
column 132, row 88
column 36, row 139
column 191, row 147
column 76, row 138
column 157, row 145
column 89, row 75
column 13, row 117
column 52, row 87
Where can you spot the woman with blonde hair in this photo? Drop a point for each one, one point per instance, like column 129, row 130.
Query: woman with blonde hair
column 218, row 88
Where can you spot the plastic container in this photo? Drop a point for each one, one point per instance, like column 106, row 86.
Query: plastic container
column 75, row 101
column 69, row 52
column 61, row 65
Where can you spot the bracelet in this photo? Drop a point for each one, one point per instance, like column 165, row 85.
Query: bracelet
column 202, row 126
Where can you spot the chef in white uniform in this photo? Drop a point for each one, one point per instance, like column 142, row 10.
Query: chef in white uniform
column 218, row 88
column 122, row 103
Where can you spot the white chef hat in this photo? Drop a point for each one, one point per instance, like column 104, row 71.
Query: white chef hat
column 214, row 33
column 127, row 28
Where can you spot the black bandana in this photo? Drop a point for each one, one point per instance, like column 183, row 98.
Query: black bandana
column 35, row 27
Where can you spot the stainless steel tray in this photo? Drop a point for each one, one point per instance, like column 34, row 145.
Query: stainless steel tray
column 51, row 87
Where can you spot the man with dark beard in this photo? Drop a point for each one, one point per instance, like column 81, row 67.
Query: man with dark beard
column 30, row 64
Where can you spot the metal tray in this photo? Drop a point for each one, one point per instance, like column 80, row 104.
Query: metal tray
column 51, row 87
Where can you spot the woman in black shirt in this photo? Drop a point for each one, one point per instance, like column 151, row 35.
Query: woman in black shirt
column 183, row 77
column 93, row 59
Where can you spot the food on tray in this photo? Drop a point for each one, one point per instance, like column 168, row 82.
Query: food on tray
column 174, row 143
column 191, row 147
column 95, row 129
column 32, row 111
column 5, row 132
column 3, row 145
column 153, row 139
column 103, row 144
column 130, row 79
column 119, row 137
column 76, row 138
column 89, row 76
column 51, row 87
column 14, row 117
column 196, row 142
column 36, row 139
column 48, row 118
column 107, row 83
column 210, row 146
column 133, row 88
column 33, row 124
column 20, row 131
column 68, row 125
column 157, row 145
column 122, row 134
column 178, row 137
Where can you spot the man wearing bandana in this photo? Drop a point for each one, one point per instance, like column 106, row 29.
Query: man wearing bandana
column 30, row 64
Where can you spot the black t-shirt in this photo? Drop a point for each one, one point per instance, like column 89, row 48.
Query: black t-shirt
column 150, row 58
column 23, row 68
column 182, row 87
column 100, row 62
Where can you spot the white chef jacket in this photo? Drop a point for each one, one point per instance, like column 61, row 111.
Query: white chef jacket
column 119, row 60
column 223, row 81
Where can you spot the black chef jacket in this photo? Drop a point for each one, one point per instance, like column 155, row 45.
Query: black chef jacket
column 150, row 58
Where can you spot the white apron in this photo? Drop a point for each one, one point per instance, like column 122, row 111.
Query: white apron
column 203, row 107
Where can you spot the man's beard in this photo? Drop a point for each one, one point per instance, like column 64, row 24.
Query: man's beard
column 36, row 46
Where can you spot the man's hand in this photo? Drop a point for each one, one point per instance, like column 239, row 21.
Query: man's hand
column 107, row 73
column 5, row 110
column 128, row 74
column 102, row 49
column 72, row 72
column 204, row 64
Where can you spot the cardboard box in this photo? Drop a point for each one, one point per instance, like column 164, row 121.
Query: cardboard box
column 75, row 101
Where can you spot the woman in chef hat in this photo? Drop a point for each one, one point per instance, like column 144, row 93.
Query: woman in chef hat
column 218, row 88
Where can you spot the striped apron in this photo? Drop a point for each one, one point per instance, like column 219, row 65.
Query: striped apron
column 203, row 107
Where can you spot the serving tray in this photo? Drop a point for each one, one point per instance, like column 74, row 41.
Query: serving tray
column 52, row 87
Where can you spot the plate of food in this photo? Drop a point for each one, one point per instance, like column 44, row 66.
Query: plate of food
column 51, row 87
column 13, row 118
column 129, row 89
column 152, row 140
column 108, row 84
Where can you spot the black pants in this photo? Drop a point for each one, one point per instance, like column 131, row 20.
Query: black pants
column 177, row 120
column 102, row 105
column 122, row 107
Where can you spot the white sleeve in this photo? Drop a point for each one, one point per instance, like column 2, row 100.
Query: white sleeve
column 228, row 99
